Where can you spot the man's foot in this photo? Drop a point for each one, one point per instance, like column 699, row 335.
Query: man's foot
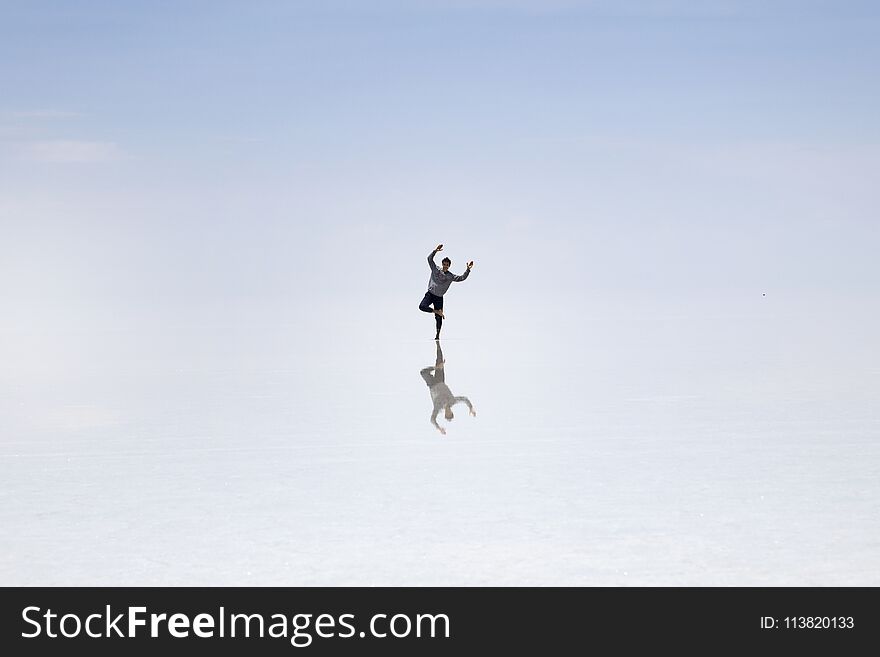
column 439, row 311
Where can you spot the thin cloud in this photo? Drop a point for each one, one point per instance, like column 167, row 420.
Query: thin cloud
column 10, row 131
column 241, row 140
column 72, row 151
column 44, row 114
column 622, row 8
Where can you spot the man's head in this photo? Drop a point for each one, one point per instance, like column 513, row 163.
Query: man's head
column 447, row 413
column 446, row 262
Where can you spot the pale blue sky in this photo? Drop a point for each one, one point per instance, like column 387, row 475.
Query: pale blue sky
column 164, row 152
column 147, row 71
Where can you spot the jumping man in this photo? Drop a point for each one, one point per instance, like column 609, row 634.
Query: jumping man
column 439, row 282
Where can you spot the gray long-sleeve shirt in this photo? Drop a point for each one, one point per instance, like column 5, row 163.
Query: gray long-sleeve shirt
column 440, row 280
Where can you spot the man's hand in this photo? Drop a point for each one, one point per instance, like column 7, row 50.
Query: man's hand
column 441, row 430
column 471, row 264
column 473, row 412
column 439, row 247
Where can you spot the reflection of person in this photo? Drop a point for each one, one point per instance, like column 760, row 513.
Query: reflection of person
column 441, row 395
column 439, row 282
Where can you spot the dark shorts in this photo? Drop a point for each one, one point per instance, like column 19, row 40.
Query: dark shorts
column 430, row 299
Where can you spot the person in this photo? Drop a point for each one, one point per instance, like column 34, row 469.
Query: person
column 441, row 279
column 441, row 395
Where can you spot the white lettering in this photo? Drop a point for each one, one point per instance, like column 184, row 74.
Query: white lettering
column 203, row 626
column 24, row 616
column 298, row 627
column 325, row 620
column 408, row 625
column 134, row 621
column 155, row 619
column 49, row 616
column 373, row 626
column 89, row 626
column 77, row 624
column 346, row 624
column 178, row 626
column 112, row 625
column 247, row 627
column 433, row 620
column 281, row 624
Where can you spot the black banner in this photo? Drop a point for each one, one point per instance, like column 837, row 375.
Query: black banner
column 401, row 621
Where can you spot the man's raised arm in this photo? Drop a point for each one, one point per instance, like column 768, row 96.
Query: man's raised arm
column 431, row 263
column 459, row 279
column 467, row 401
